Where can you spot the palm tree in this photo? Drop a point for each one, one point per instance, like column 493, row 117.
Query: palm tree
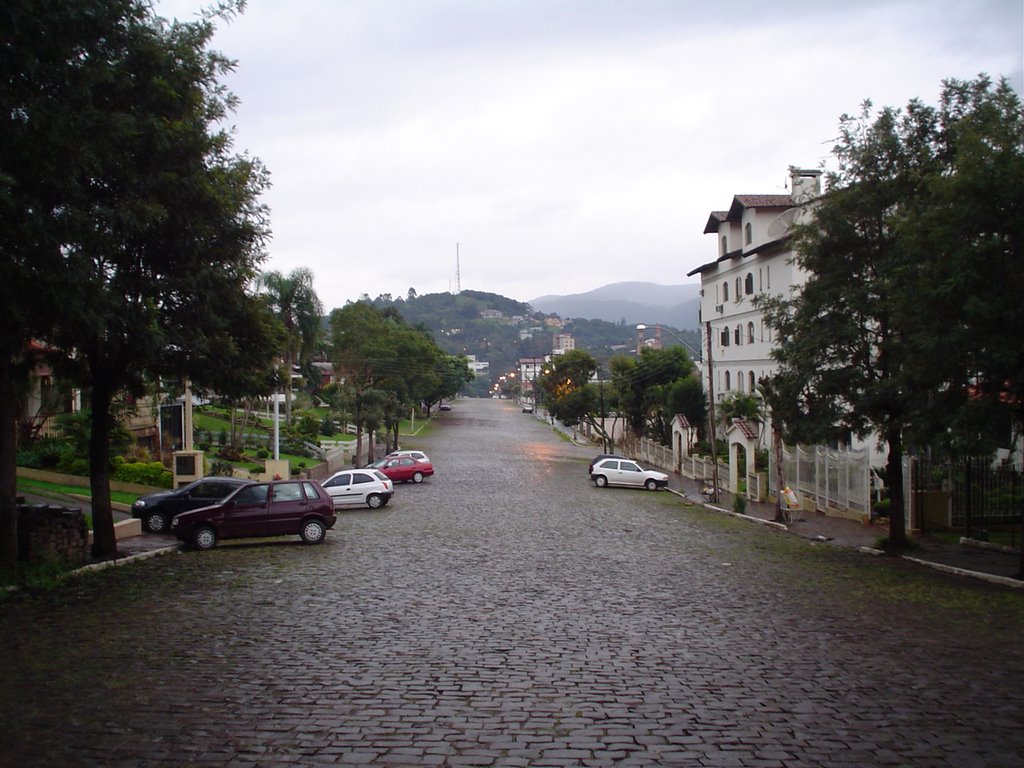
column 297, row 306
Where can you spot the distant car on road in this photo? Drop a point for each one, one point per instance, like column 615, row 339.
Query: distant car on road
column 627, row 473
column 444, row 407
column 156, row 510
column 354, row 487
column 527, row 407
column 278, row 508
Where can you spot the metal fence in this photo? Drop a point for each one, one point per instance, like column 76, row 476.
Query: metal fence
column 835, row 480
column 979, row 494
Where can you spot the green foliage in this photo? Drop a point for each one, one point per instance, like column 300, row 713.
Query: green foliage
column 221, row 468
column 908, row 325
column 151, row 473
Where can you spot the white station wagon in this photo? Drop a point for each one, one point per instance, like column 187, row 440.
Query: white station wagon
column 627, row 473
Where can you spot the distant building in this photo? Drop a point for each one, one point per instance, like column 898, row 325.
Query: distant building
column 562, row 343
column 478, row 368
column 491, row 314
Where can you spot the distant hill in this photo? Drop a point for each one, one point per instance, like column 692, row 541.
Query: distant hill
column 631, row 302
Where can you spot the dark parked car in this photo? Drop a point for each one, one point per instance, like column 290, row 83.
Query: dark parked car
column 156, row 510
column 279, row 508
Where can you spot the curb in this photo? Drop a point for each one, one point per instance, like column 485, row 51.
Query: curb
column 119, row 561
column 1005, row 581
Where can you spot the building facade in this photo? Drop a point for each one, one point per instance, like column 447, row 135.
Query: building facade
column 753, row 258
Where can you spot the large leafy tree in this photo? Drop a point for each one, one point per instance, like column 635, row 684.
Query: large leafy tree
column 647, row 386
column 296, row 305
column 375, row 350
column 889, row 335
column 151, row 225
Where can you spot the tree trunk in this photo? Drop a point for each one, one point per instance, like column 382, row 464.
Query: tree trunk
column 894, row 477
column 104, row 544
column 780, row 471
column 8, row 472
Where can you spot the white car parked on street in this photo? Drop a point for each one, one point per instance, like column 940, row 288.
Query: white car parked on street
column 359, row 487
column 627, row 473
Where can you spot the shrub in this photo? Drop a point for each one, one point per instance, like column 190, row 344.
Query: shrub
column 262, row 453
column 222, row 468
column 739, row 504
column 151, row 473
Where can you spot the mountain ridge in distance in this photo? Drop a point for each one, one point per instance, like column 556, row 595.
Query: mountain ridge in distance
column 632, row 302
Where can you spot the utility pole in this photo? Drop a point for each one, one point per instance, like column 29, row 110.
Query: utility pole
column 711, row 415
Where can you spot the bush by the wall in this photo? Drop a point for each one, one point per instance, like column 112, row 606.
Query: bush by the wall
column 151, row 473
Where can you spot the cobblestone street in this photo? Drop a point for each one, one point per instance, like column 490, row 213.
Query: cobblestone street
column 508, row 613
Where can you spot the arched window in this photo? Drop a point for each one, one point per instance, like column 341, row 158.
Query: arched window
column 750, row 333
column 724, row 246
column 739, row 380
column 739, row 289
column 748, row 234
column 748, row 287
column 725, row 336
column 725, row 290
column 728, row 381
column 752, row 382
column 738, row 335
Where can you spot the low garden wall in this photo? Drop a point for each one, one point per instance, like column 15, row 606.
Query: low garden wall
column 52, row 534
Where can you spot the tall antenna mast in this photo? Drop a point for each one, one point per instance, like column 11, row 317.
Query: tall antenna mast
column 458, row 272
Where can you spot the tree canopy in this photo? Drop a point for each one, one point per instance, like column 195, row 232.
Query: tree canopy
column 135, row 230
column 908, row 324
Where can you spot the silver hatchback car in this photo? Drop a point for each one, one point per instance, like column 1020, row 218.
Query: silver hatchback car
column 626, row 473
column 359, row 487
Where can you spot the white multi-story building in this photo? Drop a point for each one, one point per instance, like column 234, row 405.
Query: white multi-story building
column 754, row 258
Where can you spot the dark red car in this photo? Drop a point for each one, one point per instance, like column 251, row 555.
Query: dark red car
column 278, row 508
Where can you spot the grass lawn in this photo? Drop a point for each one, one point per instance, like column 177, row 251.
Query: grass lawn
column 55, row 490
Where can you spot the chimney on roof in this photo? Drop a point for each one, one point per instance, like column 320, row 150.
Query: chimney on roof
column 804, row 185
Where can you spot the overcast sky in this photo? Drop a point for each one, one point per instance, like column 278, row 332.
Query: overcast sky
column 562, row 144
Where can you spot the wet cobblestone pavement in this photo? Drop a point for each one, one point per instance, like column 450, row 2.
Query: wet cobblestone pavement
column 507, row 613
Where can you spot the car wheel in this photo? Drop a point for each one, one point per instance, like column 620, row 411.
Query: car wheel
column 204, row 538
column 600, row 481
column 418, row 477
column 155, row 523
column 313, row 532
column 650, row 485
column 374, row 501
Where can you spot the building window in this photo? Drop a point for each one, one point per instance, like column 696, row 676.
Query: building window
column 739, row 289
column 748, row 234
column 752, row 382
column 738, row 335
column 748, row 287
column 750, row 333
column 728, row 381
column 725, row 291
column 739, row 380
column 724, row 246
column 725, row 336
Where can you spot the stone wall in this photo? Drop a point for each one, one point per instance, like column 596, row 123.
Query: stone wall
column 48, row 533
